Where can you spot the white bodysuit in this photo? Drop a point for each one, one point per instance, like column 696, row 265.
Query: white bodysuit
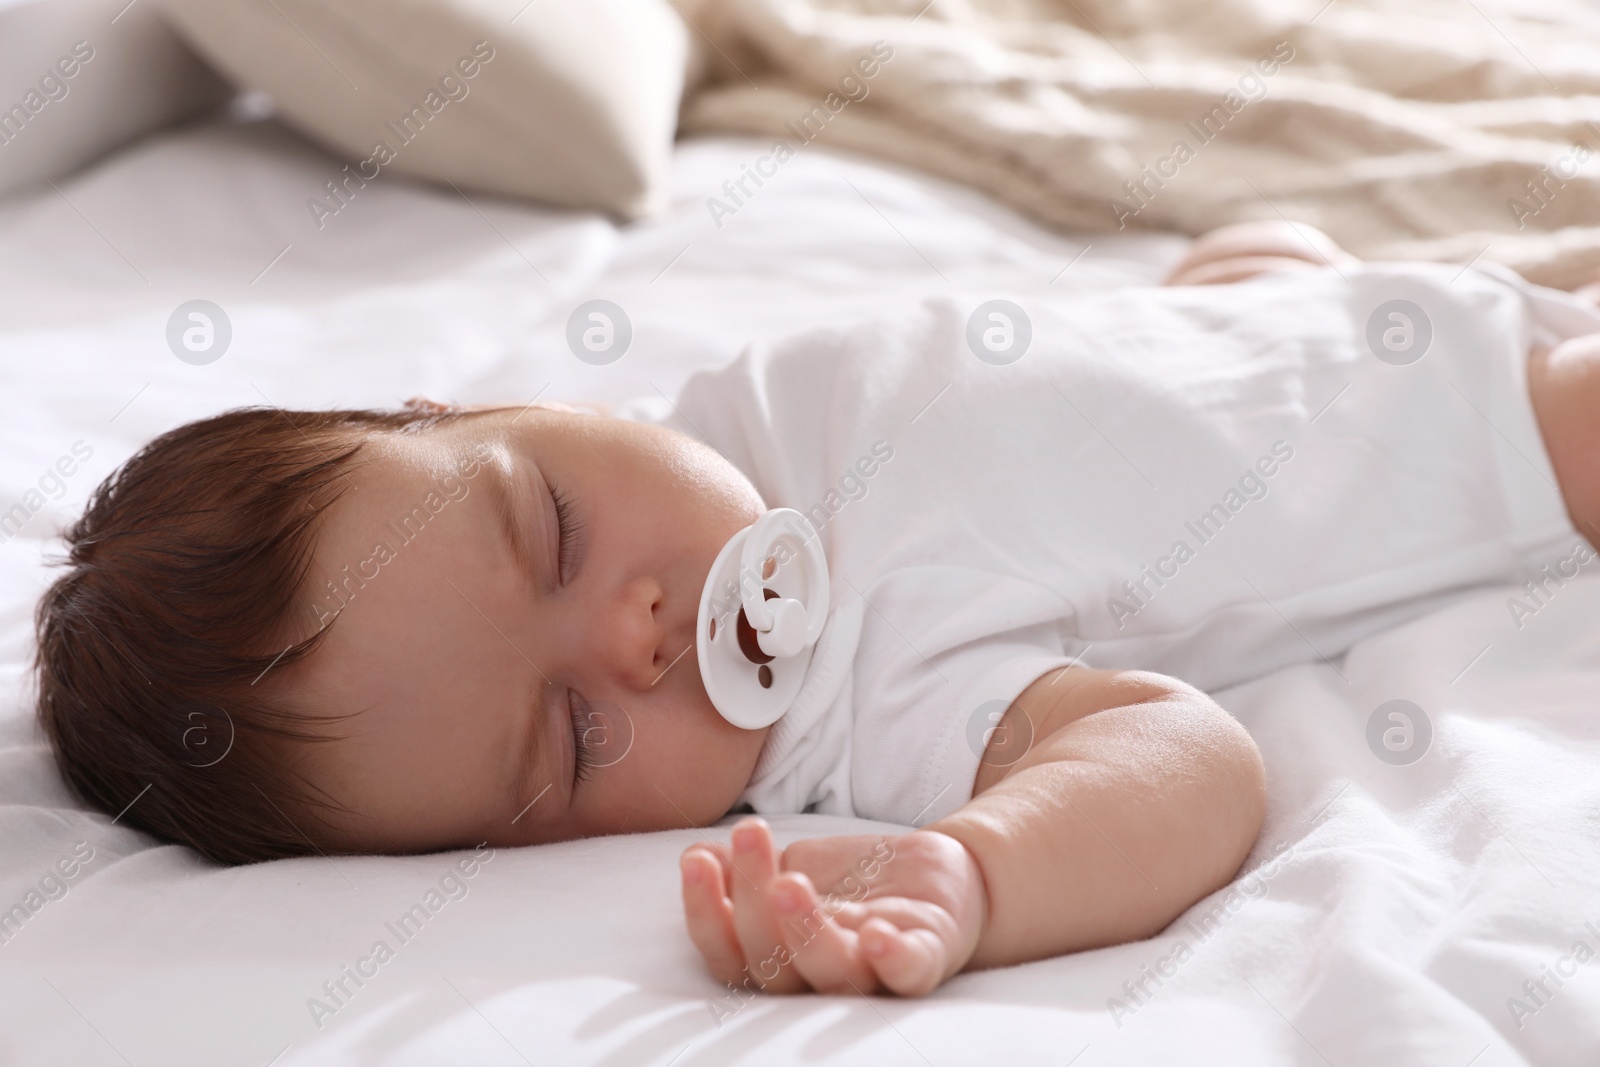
column 1209, row 482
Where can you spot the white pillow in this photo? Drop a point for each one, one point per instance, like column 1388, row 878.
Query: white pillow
column 80, row 77
column 574, row 102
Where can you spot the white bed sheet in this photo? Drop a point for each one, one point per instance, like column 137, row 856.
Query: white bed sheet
column 1391, row 912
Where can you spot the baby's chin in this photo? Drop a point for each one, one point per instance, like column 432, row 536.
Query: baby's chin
column 722, row 760
column 744, row 751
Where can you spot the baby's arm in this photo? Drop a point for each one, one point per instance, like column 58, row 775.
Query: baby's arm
column 1138, row 796
column 1108, row 802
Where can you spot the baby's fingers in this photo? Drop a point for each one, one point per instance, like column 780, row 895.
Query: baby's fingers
column 825, row 954
column 908, row 962
column 718, row 854
column 709, row 915
column 755, row 918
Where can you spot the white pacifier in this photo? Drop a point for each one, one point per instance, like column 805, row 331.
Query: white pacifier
column 761, row 612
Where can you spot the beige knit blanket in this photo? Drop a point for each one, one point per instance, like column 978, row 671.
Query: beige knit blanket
column 1407, row 129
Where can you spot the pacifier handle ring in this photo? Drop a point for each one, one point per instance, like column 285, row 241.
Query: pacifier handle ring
column 766, row 532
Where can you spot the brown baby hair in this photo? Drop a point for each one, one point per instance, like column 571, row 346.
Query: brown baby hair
column 182, row 591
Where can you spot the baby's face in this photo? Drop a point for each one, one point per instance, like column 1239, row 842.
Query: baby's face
column 456, row 652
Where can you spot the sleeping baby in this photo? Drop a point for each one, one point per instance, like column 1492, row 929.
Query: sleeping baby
column 1049, row 533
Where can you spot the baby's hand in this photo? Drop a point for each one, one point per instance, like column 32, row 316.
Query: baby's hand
column 897, row 913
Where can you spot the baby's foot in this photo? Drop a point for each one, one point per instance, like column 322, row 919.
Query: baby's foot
column 1246, row 249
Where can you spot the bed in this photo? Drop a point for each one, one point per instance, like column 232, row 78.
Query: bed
column 1403, row 905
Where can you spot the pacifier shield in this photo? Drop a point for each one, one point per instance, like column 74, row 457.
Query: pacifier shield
column 749, row 686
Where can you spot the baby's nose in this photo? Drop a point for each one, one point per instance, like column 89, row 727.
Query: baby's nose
column 636, row 637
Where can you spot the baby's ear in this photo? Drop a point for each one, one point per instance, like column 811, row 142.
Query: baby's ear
column 422, row 405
